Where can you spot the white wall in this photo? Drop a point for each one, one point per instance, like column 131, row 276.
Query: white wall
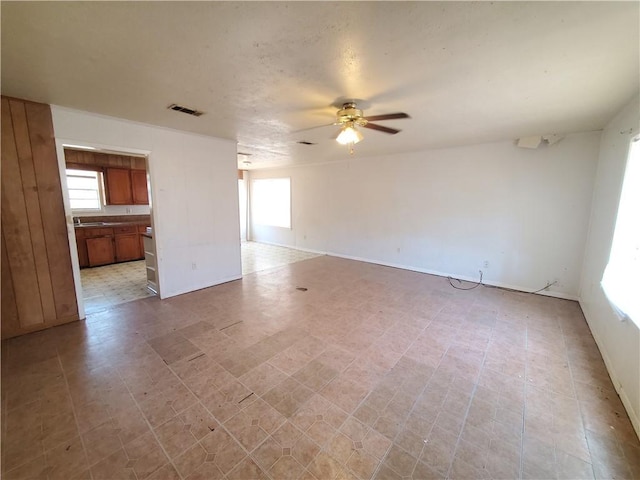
column 194, row 204
column 619, row 342
column 525, row 212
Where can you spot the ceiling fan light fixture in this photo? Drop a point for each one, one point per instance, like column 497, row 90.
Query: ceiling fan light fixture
column 349, row 135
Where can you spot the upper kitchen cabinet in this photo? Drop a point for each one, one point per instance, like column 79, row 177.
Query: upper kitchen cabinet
column 139, row 187
column 118, row 186
column 126, row 187
column 125, row 177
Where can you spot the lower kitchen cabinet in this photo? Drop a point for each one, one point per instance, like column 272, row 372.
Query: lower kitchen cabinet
column 81, row 244
column 103, row 246
column 100, row 251
column 127, row 247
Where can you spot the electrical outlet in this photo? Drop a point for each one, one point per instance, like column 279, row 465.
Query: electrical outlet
column 485, row 264
column 128, row 210
column 398, row 249
column 193, row 266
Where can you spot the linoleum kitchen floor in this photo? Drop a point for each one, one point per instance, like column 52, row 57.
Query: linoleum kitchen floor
column 370, row 372
column 109, row 285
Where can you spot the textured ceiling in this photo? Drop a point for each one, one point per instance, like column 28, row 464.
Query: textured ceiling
column 261, row 71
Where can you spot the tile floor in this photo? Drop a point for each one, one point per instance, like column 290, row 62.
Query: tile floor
column 104, row 287
column 261, row 256
column 372, row 372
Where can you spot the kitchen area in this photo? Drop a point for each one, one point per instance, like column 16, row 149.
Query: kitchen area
column 109, row 197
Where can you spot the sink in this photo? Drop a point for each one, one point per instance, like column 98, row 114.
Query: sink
column 100, row 224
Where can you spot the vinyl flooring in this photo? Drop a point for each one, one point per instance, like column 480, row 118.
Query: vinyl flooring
column 321, row 369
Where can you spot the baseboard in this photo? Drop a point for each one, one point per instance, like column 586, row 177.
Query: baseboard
column 564, row 296
column 561, row 295
column 12, row 332
column 633, row 415
column 164, row 296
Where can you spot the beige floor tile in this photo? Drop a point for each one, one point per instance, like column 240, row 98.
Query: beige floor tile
column 370, row 373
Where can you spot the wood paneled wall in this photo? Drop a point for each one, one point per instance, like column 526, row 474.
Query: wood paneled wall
column 97, row 161
column 37, row 277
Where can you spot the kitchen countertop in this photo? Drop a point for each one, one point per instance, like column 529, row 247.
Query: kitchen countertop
column 109, row 224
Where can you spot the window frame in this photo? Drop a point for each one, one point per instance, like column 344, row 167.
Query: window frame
column 100, row 190
column 258, row 220
column 615, row 278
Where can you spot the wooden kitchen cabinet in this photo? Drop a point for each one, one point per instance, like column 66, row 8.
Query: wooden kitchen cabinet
column 102, row 246
column 81, row 244
column 139, row 190
column 126, row 187
column 118, row 186
column 127, row 247
column 100, row 251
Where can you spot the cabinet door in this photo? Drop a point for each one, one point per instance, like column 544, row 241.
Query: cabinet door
column 139, row 187
column 127, row 247
column 100, row 251
column 81, row 245
column 118, row 186
column 141, row 244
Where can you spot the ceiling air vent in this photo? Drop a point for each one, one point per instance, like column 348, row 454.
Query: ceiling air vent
column 303, row 142
column 187, row 110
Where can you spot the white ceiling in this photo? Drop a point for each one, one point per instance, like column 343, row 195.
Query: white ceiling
column 465, row 72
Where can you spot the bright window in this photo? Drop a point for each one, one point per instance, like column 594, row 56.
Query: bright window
column 271, row 202
column 84, row 189
column 621, row 280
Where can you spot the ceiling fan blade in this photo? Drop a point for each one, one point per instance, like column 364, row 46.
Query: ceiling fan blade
column 380, row 128
column 313, row 128
column 388, row 116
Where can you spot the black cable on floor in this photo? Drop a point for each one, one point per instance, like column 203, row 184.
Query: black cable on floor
column 460, row 282
column 494, row 286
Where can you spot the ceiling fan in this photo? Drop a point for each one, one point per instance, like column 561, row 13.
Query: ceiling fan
column 349, row 117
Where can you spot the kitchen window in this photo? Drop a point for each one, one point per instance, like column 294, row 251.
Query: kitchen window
column 271, row 202
column 85, row 190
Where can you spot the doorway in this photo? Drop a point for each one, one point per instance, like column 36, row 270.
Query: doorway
column 108, row 194
column 243, row 203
